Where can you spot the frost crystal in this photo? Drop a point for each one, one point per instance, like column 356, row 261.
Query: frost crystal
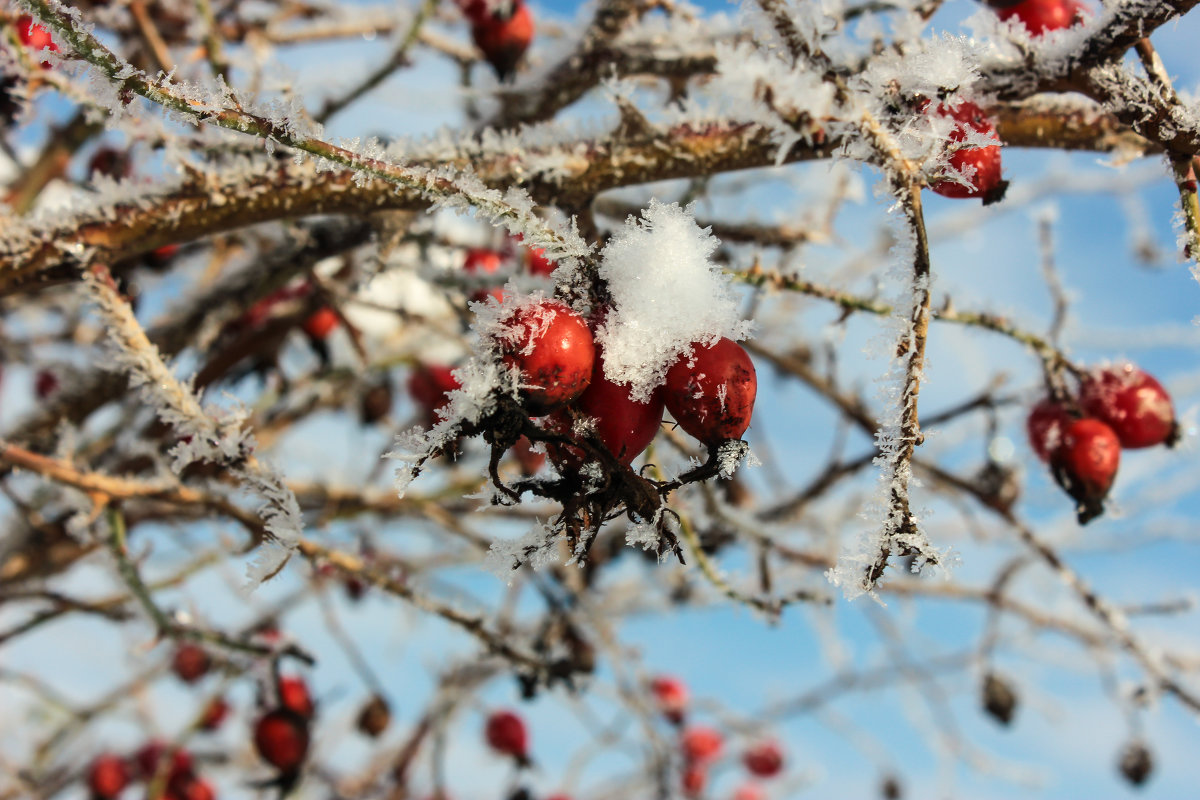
column 667, row 294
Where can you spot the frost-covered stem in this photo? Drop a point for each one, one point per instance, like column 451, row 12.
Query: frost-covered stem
column 1185, row 180
column 792, row 38
column 129, row 79
column 850, row 302
column 398, row 58
column 496, row 642
column 898, row 466
column 1144, row 106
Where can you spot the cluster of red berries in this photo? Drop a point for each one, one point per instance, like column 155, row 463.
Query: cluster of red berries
column 1081, row 436
column 1041, row 16
column 155, row 763
column 700, row 745
column 710, row 390
column 502, row 30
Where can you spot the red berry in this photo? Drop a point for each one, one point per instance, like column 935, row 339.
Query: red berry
column 506, row 733
column 430, row 385
column 764, row 759
column 107, row 776
column 552, row 347
column 45, row 384
column 1045, row 426
column 672, row 697
column 710, row 391
column 191, row 662
column 295, row 697
column 749, row 791
column 695, row 777
column 1089, row 455
column 35, row 37
column 980, row 165
column 111, row 162
column 321, row 322
column 538, row 263
column 214, row 714
column 701, row 744
column 281, row 738
column 482, row 261
column 1132, row 403
column 1040, row 16
column 150, row 759
column 503, row 34
column 623, row 425
column 198, row 789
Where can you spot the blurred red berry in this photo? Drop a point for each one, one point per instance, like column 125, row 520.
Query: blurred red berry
column 214, row 714
column 764, row 759
column 701, row 743
column 294, row 696
column 538, row 263
column 152, row 757
column 672, row 697
column 35, row 37
column 503, row 32
column 482, row 261
column 505, row 733
column 694, row 779
column 430, row 386
column 45, row 384
column 191, row 662
column 1045, row 426
column 1132, row 403
column 321, row 323
column 281, row 738
column 980, row 165
column 750, row 791
column 107, row 776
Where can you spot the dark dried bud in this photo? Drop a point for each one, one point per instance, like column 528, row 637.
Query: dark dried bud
column 1136, row 763
column 374, row 717
column 376, row 403
column 999, row 699
column 890, row 788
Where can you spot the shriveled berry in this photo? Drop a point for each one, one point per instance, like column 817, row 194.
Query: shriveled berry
column 710, row 391
column 701, row 743
column 1045, row 426
column 506, row 733
column 671, row 696
column 1132, row 403
column 503, row 32
column 281, row 738
column 107, row 776
column 191, row 662
column 980, row 165
column 214, row 714
column 764, row 759
column 1042, row 16
column 552, row 347
column 374, row 717
column 999, row 698
column 1136, row 763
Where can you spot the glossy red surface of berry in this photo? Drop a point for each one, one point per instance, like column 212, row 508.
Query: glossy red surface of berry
column 1041, row 16
column 506, row 733
column 623, row 425
column 191, row 662
column 552, row 347
column 1089, row 454
column 538, row 263
column 321, row 322
column 430, row 386
column 1045, row 426
column 482, row 261
column 764, row 759
column 35, row 37
column 671, row 695
column 294, row 696
column 107, row 776
column 710, row 391
column 980, row 165
column 281, row 738
column 700, row 743
column 503, row 34
column 1132, row 403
